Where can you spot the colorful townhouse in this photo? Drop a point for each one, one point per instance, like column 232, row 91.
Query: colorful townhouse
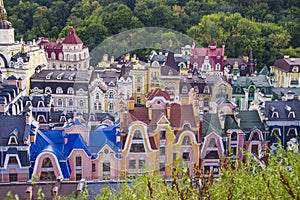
column 286, row 72
column 66, row 53
column 17, row 58
column 15, row 136
column 208, row 60
column 155, row 136
column 282, row 118
column 12, row 90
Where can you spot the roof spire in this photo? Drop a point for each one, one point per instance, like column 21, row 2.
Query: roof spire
column 4, row 24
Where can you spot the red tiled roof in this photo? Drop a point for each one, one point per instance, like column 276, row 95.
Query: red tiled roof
column 141, row 114
column 72, row 38
column 175, row 115
column 158, row 93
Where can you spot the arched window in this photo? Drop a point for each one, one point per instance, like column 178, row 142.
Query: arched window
column 186, row 140
column 70, row 102
column 106, row 170
column 59, row 102
column 251, row 92
column 195, row 65
column 81, row 103
column 59, row 90
column 67, row 57
column 78, row 160
column 47, row 163
column 48, row 90
column 75, row 58
column 111, row 95
column 138, row 89
column 222, row 92
column 60, row 56
column 137, row 135
column 47, row 173
column 97, row 96
column 184, row 90
column 218, row 67
column 111, row 106
column 70, row 90
column 255, row 136
column 234, row 136
column 53, row 56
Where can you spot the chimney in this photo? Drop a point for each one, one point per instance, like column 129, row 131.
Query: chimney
column 105, row 57
column 150, row 113
column 3, row 104
column 28, row 194
column 79, row 187
column 169, row 111
column 133, row 59
column 12, row 80
column 131, row 103
column 21, row 84
column 112, row 60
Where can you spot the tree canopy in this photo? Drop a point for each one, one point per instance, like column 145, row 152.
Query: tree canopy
column 271, row 28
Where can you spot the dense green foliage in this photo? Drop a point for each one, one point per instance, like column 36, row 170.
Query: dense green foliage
column 270, row 27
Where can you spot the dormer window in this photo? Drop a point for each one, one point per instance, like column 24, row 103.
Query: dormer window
column 275, row 115
column 137, row 135
column 295, row 69
column 60, row 76
column 276, row 132
column 292, row 132
column 48, row 89
column 62, row 119
column 12, row 140
column 206, row 90
column 41, row 118
column 49, row 75
column 41, row 104
column 195, row 65
column 291, row 114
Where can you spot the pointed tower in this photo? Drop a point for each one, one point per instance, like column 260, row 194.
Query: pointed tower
column 251, row 63
column 6, row 29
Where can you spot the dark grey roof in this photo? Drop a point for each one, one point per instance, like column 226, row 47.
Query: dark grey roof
column 16, row 124
column 282, row 108
column 278, row 93
column 82, row 75
column 230, row 123
column 211, row 123
column 249, row 120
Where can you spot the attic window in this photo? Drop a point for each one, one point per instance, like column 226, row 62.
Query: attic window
column 137, row 135
column 41, row 104
column 62, row 119
column 12, row 140
column 218, row 67
column 276, row 132
column 212, row 143
column 41, row 118
column 295, row 69
column 60, row 76
column 292, row 132
column 12, row 160
column 275, row 115
column 49, row 75
column 184, row 90
column 291, row 114
column 28, row 103
column 170, row 73
column 186, row 140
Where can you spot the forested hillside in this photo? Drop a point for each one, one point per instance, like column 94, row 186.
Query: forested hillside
column 270, row 27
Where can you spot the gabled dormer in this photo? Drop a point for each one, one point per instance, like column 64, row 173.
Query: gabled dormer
column 273, row 112
column 13, row 137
